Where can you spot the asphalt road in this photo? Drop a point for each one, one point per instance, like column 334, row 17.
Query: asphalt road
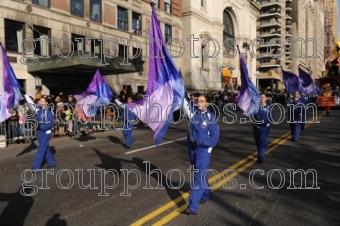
column 78, row 192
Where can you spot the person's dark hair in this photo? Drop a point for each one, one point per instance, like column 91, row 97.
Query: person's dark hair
column 263, row 94
column 207, row 99
column 46, row 99
column 133, row 98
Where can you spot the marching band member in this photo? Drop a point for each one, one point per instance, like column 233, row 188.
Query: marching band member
column 129, row 118
column 295, row 115
column 203, row 136
column 45, row 120
column 261, row 127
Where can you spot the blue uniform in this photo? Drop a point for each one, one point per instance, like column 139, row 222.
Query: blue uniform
column 129, row 122
column 305, row 101
column 206, row 134
column 296, row 117
column 261, row 129
column 45, row 120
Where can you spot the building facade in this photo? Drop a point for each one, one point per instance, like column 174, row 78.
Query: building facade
column 331, row 17
column 274, row 31
column 212, row 31
column 319, row 35
column 307, row 26
column 66, row 41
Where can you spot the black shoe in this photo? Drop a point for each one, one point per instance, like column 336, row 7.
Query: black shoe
column 259, row 160
column 202, row 201
column 127, row 147
column 189, row 211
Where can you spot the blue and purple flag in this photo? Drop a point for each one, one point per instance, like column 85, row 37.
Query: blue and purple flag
column 248, row 96
column 306, row 82
column 11, row 93
column 165, row 86
column 291, row 81
column 97, row 93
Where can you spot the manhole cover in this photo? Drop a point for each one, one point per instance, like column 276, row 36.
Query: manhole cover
column 107, row 154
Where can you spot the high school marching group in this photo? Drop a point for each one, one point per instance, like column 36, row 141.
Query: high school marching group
column 202, row 137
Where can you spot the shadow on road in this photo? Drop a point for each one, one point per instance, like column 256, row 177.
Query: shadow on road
column 18, row 207
column 56, row 221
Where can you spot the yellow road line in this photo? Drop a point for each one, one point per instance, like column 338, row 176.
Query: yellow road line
column 175, row 213
column 251, row 158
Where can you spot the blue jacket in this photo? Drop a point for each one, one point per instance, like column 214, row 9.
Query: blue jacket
column 297, row 102
column 45, row 119
column 206, row 132
column 305, row 99
column 130, row 115
column 264, row 114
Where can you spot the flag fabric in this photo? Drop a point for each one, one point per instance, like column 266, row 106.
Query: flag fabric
column 291, row 81
column 165, row 87
column 11, row 93
column 306, row 82
column 98, row 92
column 248, row 96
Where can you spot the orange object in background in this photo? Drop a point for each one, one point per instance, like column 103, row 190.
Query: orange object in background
column 326, row 101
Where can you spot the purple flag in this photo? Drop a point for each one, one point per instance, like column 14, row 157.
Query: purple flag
column 11, row 94
column 165, row 87
column 248, row 96
column 306, row 82
column 291, row 81
column 98, row 92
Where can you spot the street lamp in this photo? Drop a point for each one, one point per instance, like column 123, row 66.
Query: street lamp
column 38, row 83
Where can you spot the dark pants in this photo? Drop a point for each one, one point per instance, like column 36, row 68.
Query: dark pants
column 261, row 139
column 44, row 151
column 295, row 130
column 200, row 190
column 128, row 135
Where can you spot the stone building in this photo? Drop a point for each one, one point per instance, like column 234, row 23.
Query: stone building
column 96, row 29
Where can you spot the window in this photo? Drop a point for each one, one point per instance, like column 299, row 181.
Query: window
column 14, row 35
column 140, row 89
column 95, row 46
column 203, row 3
column 78, row 44
column 122, row 18
column 228, row 33
column 77, row 7
column 134, row 53
column 136, row 23
column 95, row 10
column 123, row 50
column 156, row 3
column 168, row 33
column 45, row 3
column 42, row 44
column 167, row 6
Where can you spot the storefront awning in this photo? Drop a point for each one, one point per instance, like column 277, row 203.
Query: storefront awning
column 76, row 65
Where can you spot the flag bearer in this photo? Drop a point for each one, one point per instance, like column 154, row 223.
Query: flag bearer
column 129, row 118
column 203, row 136
column 295, row 115
column 45, row 120
column 261, row 127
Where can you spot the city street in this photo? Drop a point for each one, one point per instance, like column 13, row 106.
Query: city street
column 77, row 191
